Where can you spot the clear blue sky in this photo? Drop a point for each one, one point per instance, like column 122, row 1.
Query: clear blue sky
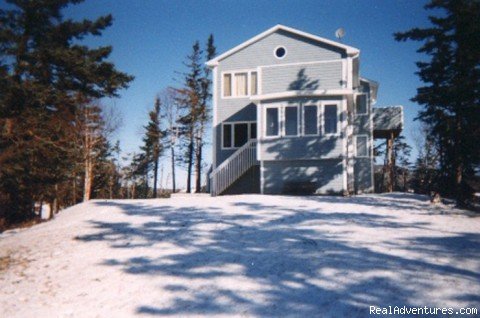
column 151, row 38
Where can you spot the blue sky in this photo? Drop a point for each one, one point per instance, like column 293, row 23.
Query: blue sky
column 151, row 38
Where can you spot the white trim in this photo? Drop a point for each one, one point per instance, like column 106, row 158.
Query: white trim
column 275, row 52
column 232, row 131
column 349, row 72
column 344, row 143
column 302, row 93
column 302, row 63
column 262, row 177
column 344, row 73
column 348, row 49
column 367, row 144
column 233, row 88
column 215, row 115
column 339, row 119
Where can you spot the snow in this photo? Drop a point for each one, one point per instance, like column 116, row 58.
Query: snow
column 246, row 255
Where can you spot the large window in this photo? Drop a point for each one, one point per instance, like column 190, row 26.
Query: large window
column 272, row 126
column 310, row 120
column 291, row 121
column 240, row 84
column 236, row 135
column 361, row 104
column 361, row 145
column 330, row 119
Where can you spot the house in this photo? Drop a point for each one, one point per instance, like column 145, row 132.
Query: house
column 291, row 114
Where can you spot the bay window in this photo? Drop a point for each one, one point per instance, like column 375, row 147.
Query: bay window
column 291, row 121
column 330, row 119
column 310, row 120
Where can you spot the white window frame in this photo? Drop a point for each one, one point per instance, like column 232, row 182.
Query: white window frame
column 234, row 83
column 367, row 143
column 318, row 119
column 275, row 52
column 232, row 130
column 283, row 132
column 339, row 119
column 366, row 104
column 264, row 124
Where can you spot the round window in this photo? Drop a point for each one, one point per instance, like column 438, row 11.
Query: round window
column 280, row 52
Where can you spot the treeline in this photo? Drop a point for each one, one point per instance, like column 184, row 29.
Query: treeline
column 56, row 145
column 177, row 129
column 449, row 158
column 54, row 136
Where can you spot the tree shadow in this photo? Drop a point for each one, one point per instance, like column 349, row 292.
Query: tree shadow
column 294, row 268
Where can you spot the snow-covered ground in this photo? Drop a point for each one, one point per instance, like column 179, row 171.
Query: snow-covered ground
column 247, row 255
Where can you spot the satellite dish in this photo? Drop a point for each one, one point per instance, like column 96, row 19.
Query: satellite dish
column 340, row 33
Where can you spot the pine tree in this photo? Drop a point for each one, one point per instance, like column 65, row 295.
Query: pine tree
column 203, row 114
column 189, row 99
column 153, row 146
column 451, row 96
column 43, row 71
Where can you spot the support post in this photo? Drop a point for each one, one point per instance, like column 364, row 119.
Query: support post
column 390, row 163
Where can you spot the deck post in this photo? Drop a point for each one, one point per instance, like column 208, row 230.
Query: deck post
column 390, row 162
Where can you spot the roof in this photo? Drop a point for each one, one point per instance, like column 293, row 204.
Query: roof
column 349, row 50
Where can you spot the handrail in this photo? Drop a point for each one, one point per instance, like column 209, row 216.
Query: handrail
column 233, row 167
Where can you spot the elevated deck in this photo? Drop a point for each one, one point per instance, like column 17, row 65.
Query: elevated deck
column 387, row 121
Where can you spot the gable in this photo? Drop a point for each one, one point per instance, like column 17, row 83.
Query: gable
column 300, row 47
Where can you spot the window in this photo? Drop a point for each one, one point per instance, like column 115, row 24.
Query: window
column 331, row 120
column 240, row 135
column 227, row 85
column 253, row 131
column 272, row 122
column 310, row 120
column 280, row 52
column 361, row 104
column 227, row 136
column 240, row 84
column 236, row 135
column 361, row 146
column 291, row 121
column 253, row 83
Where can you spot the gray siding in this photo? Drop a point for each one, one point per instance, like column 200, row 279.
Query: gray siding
column 298, row 49
column 362, row 125
column 302, row 77
column 289, row 148
column 315, row 176
column 363, row 175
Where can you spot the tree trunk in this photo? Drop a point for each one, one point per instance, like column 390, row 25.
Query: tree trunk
column 155, row 176
column 390, row 163
column 74, row 189
column 172, row 150
column 87, row 184
column 198, row 166
column 190, row 163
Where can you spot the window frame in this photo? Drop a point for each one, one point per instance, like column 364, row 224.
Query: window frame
column 366, row 104
column 366, row 144
column 232, row 133
column 279, row 121
column 233, row 84
column 322, row 117
column 275, row 52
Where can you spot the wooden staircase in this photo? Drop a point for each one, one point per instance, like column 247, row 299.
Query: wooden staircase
column 233, row 168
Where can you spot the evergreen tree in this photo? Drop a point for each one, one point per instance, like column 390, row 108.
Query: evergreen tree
column 451, row 95
column 203, row 114
column 43, row 72
column 189, row 99
column 153, row 142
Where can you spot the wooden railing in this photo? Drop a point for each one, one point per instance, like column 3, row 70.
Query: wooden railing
column 233, row 167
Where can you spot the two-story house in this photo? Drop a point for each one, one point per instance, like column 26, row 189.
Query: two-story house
column 291, row 114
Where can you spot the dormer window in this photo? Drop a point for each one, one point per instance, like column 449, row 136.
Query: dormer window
column 280, row 52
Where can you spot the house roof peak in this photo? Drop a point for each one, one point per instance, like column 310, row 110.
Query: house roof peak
column 349, row 50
